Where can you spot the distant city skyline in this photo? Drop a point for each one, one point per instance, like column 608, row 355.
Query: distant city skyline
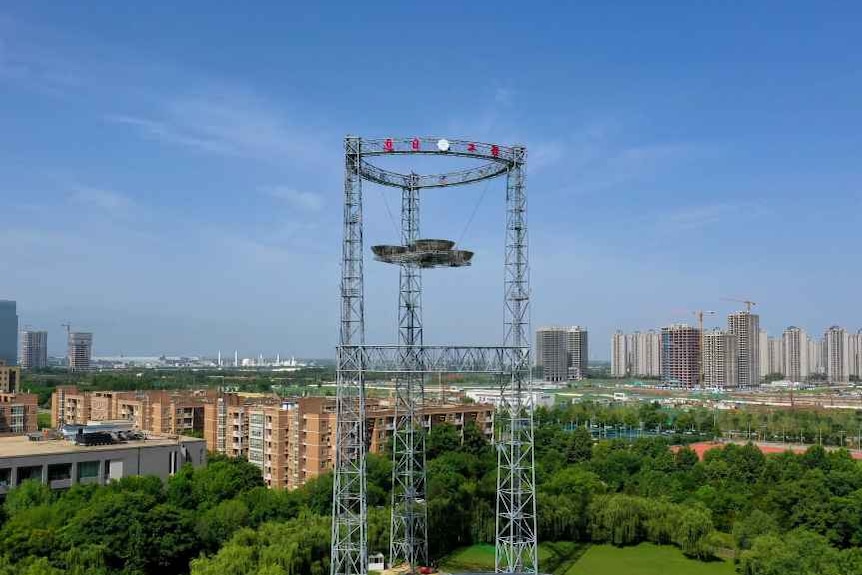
column 174, row 198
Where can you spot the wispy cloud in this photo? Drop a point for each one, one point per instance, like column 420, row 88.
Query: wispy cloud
column 228, row 122
column 309, row 201
column 696, row 217
column 102, row 199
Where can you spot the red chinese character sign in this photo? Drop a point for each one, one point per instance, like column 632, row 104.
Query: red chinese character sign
column 388, row 145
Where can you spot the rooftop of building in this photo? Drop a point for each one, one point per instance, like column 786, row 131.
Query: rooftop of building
column 23, row 446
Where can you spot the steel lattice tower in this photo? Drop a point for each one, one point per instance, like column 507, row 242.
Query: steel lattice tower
column 408, row 526
column 349, row 514
column 410, row 360
column 516, row 544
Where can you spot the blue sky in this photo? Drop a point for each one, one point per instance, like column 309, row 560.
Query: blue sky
column 171, row 176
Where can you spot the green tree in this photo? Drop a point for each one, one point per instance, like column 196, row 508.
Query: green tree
column 216, row 525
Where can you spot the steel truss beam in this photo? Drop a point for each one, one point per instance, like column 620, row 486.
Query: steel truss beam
column 438, row 359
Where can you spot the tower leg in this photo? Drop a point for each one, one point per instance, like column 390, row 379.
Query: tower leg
column 516, row 545
column 408, row 528
column 349, row 516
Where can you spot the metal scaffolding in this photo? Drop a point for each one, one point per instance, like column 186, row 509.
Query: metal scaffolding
column 411, row 360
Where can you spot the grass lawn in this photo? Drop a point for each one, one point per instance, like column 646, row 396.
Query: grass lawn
column 480, row 558
column 563, row 558
column 644, row 559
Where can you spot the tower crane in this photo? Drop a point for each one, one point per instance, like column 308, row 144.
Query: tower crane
column 748, row 303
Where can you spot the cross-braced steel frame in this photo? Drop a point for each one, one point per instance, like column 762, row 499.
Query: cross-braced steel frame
column 411, row 360
column 408, row 530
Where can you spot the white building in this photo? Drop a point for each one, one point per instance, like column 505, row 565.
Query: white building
column 535, row 398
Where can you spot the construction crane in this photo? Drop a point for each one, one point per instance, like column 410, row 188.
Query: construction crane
column 748, row 303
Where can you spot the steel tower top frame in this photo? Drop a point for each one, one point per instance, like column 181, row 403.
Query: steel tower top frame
column 516, row 542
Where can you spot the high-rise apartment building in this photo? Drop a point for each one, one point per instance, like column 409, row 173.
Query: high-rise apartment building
column 771, row 355
column 837, row 354
column 775, row 356
column 746, row 327
column 795, row 345
column 680, row 355
column 80, row 350
column 34, row 349
column 578, row 346
column 719, row 359
column 562, row 353
column 855, row 354
column 647, row 356
column 636, row 354
column 8, row 332
column 816, row 363
column 621, row 356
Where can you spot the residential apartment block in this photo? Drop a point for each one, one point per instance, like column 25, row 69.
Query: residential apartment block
column 34, row 349
column 680, row 355
column 795, row 343
column 293, row 441
column 18, row 413
column 158, row 411
column 837, row 354
column 636, row 354
column 719, row 359
column 80, row 350
column 746, row 327
column 562, row 353
column 10, row 377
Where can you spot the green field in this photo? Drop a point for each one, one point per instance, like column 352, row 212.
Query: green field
column 573, row 559
column 645, row 559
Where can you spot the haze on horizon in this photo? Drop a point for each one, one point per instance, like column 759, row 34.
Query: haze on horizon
column 172, row 175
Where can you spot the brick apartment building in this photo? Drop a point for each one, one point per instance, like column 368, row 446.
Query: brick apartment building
column 292, row 440
column 18, row 411
column 175, row 413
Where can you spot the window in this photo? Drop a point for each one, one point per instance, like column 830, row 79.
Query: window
column 88, row 470
column 59, row 471
column 5, row 477
column 26, row 473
